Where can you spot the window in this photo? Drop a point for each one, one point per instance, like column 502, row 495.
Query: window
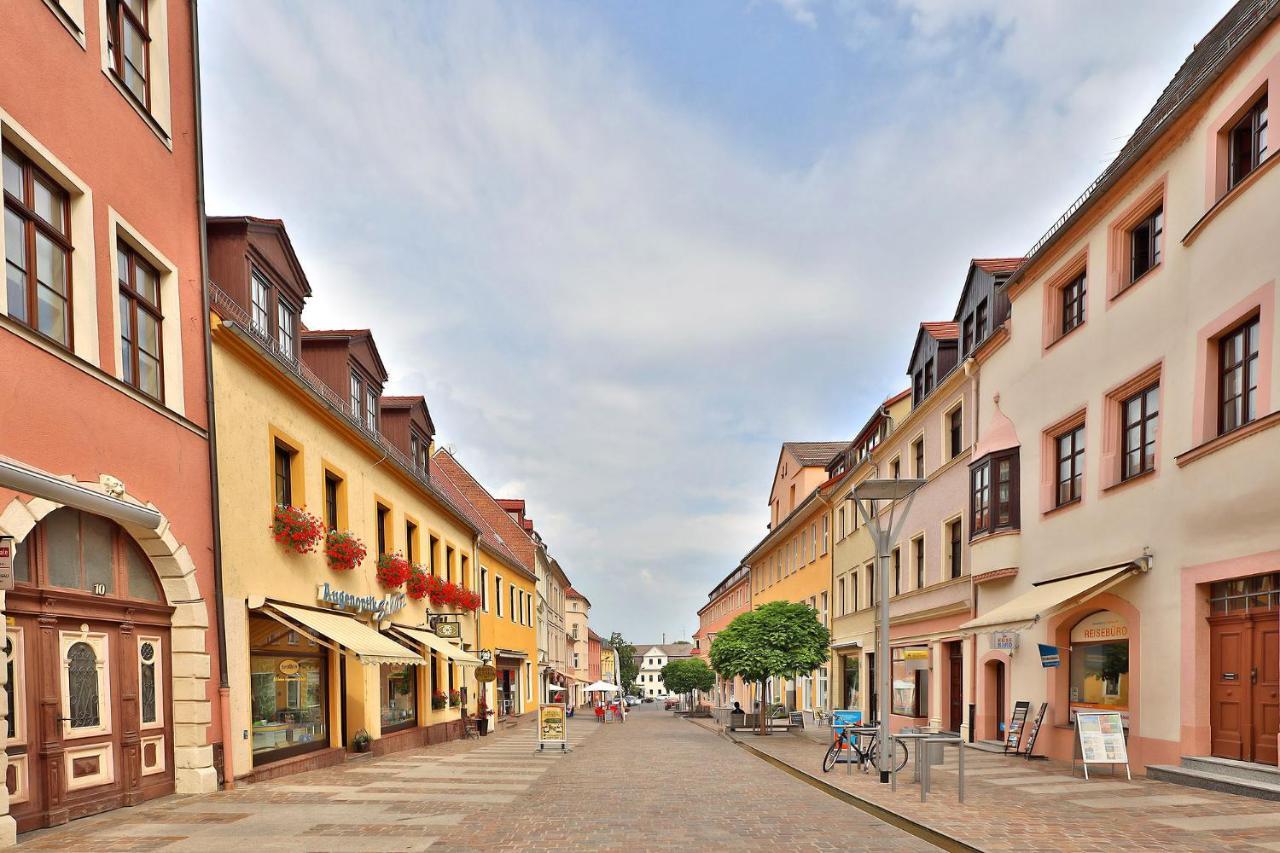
column 128, row 46
column 955, row 432
column 955, row 555
column 1238, row 376
column 260, row 304
column 840, row 596
column 448, row 563
column 980, row 322
column 283, row 475
column 813, row 537
column 410, row 541
column 431, row 554
column 1141, row 414
column 484, row 589
column 1073, row 293
column 897, row 571
column 76, row 550
column 1070, row 469
column 917, row 386
column 871, row 583
column 418, row 450
column 853, row 589
column 371, row 409
column 917, row 453
column 966, row 339
column 1248, row 142
column 929, row 377
column 910, row 685
column 286, row 329
column 357, row 394
column 37, row 244
column 842, row 523
column 1146, row 244
column 331, row 483
column 895, row 469
column 141, row 362
column 993, row 494
column 826, row 533
column 917, row 545
column 497, row 593
column 383, row 516
column 515, row 611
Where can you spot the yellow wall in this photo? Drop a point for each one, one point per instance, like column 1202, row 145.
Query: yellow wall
column 506, row 633
column 255, row 405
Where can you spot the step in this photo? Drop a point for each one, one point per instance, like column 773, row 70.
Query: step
column 1213, row 782
column 1246, row 770
column 996, row 746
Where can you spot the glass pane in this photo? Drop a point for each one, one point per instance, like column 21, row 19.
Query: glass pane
column 147, row 283
column 12, row 177
column 82, row 686
column 1252, row 333
column 96, row 543
column 48, row 203
column 21, row 562
column 288, row 701
column 15, row 255
column 133, row 80
column 135, row 47
column 1153, row 400
column 51, row 317
column 141, row 577
column 148, row 333
column 1133, row 410
column 62, row 547
column 148, row 374
column 147, row 682
column 51, row 264
column 126, row 338
column 399, row 695
column 138, row 8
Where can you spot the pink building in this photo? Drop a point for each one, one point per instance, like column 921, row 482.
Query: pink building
column 729, row 598
column 105, row 473
column 1129, row 402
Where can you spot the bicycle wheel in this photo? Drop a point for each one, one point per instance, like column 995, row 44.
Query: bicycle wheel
column 833, row 752
column 899, row 755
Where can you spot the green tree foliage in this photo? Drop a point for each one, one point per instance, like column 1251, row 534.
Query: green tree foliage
column 778, row 639
column 685, row 675
column 628, row 669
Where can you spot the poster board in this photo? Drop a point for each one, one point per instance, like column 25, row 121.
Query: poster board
column 553, row 726
column 1035, row 730
column 1013, row 734
column 1101, row 737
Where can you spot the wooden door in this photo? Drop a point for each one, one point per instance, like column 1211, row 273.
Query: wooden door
column 1264, row 678
column 998, row 717
column 957, row 687
column 1230, row 703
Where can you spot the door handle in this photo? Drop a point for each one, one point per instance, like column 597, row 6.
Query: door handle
column 1253, row 675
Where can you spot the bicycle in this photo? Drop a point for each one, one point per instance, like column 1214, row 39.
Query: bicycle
column 870, row 755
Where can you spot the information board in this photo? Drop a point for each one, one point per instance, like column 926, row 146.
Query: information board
column 1035, row 729
column 1013, row 734
column 553, row 727
column 1101, row 735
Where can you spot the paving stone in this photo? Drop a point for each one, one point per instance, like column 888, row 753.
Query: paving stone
column 1141, row 802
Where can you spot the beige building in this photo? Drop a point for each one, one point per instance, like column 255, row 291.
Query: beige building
column 577, row 615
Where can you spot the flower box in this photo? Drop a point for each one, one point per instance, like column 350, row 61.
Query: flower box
column 295, row 528
column 343, row 551
column 393, row 570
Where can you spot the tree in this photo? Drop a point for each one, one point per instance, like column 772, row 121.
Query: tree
column 628, row 669
column 778, row 639
column 685, row 675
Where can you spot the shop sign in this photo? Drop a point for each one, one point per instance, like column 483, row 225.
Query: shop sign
column 916, row 660
column 7, row 547
column 288, row 667
column 1100, row 627
column 449, row 630
column 486, row 673
column 1005, row 641
column 485, row 655
column 552, row 726
column 1049, row 657
column 379, row 607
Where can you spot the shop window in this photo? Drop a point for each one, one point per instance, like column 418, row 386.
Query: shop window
column 399, row 697
column 1100, row 663
column 910, row 675
column 289, row 693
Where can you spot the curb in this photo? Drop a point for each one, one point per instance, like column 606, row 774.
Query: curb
column 923, row 831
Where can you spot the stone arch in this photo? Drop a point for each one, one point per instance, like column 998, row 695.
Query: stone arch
column 189, row 628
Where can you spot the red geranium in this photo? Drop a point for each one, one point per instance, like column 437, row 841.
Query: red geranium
column 343, row 551
column 298, row 529
column 416, row 585
column 393, row 570
column 445, row 594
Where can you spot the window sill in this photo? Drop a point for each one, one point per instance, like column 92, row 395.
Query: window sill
column 1229, row 196
column 1217, row 443
column 139, row 108
column 1060, row 508
column 1135, row 284
column 1119, row 485
column 1062, row 337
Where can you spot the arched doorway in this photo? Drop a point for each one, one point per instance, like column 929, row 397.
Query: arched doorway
column 996, row 699
column 88, row 661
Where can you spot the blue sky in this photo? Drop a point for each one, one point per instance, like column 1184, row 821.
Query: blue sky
column 628, row 248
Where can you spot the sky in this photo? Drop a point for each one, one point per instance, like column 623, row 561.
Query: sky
column 626, row 249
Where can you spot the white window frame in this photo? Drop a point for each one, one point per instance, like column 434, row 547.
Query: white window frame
column 160, row 117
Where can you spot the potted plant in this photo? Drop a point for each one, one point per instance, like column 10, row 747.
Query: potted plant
column 438, row 700
column 393, row 570
column 416, row 584
column 361, row 742
column 343, row 551
column 483, row 713
column 455, row 697
column 295, row 528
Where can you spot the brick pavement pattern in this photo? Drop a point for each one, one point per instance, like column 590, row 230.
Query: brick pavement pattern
column 653, row 783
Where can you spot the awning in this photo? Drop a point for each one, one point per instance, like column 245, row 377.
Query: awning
column 345, row 631
column 1047, row 598
column 438, row 645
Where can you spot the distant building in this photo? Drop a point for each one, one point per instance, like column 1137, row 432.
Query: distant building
column 651, row 659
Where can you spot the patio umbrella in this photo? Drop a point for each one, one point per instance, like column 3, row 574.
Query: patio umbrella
column 602, row 687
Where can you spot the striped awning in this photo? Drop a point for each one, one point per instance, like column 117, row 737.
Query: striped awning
column 344, row 631
column 438, row 645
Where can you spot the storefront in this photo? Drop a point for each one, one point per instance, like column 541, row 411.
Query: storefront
column 289, row 684
column 509, row 687
column 1100, row 664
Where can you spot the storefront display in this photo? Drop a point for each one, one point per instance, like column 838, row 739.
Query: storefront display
column 851, row 680
column 399, row 697
column 1100, row 663
column 289, row 689
column 910, row 676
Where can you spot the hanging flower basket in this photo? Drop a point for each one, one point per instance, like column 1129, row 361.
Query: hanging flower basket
column 343, row 551
column 296, row 528
column 416, row 585
column 393, row 570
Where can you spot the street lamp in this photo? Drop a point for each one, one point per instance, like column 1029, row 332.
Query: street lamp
column 865, row 494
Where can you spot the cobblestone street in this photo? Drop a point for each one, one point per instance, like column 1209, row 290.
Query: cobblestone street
column 653, row 783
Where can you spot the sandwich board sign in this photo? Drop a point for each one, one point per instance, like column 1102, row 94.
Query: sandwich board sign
column 553, row 726
column 1101, row 735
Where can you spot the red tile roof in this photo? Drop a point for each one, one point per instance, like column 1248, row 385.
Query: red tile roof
column 996, row 266
column 515, row 539
column 948, row 331
column 492, row 541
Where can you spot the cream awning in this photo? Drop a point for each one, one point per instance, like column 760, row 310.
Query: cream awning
column 1048, row 598
column 439, row 645
column 356, row 637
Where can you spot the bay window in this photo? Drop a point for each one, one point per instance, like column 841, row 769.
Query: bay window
column 994, row 493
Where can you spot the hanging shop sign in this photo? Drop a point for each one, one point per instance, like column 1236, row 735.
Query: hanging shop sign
column 553, row 727
column 1101, row 735
column 449, row 630
column 1005, row 641
column 1049, row 655
column 379, row 607
column 486, row 673
column 8, row 545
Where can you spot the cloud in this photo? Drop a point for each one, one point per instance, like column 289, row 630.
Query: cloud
column 616, row 305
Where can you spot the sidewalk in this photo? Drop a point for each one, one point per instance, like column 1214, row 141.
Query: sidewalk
column 1015, row 804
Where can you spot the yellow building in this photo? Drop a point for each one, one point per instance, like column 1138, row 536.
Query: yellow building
column 793, row 561
column 318, row 656
column 508, row 591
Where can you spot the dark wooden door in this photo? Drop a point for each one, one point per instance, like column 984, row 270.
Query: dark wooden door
column 1264, row 681
column 998, row 734
column 957, row 687
column 1230, row 652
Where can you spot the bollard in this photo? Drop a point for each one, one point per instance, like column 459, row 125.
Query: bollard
column 961, row 747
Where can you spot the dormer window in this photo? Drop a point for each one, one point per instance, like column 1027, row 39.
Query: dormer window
column 357, row 394
column 260, row 299
column 928, row 376
column 371, row 409
column 980, row 322
column 966, row 341
column 418, row 451
column 287, row 330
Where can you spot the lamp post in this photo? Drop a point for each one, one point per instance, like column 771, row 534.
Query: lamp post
column 897, row 493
